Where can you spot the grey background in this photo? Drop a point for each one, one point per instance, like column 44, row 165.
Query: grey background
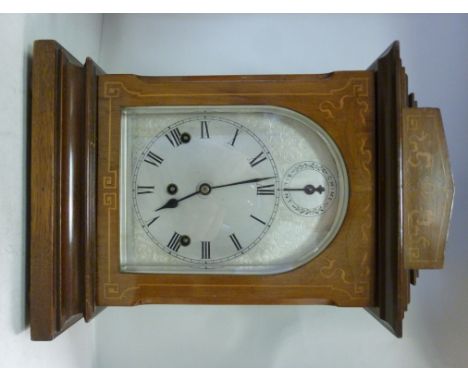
column 17, row 32
column 434, row 50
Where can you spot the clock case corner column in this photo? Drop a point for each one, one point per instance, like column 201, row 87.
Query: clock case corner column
column 61, row 190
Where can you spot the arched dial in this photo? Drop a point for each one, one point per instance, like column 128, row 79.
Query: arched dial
column 205, row 189
column 201, row 190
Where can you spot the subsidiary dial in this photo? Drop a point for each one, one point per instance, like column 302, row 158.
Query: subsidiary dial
column 309, row 188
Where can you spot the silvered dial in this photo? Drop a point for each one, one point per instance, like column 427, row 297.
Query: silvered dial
column 205, row 189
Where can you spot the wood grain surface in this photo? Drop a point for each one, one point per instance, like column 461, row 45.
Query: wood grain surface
column 401, row 190
column 341, row 102
column 59, row 221
column 427, row 189
column 391, row 288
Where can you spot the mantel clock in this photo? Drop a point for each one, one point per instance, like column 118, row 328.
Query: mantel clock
column 268, row 189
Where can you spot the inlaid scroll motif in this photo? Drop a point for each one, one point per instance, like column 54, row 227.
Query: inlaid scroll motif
column 419, row 221
column 353, row 100
column 331, row 271
column 427, row 189
column 110, row 200
column 353, row 95
column 358, row 256
column 110, row 180
column 109, row 192
column 362, row 270
column 365, row 154
column 420, row 146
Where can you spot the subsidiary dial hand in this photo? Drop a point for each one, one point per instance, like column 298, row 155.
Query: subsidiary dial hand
column 309, row 189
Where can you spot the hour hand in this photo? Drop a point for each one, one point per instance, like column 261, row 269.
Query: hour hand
column 308, row 189
column 173, row 203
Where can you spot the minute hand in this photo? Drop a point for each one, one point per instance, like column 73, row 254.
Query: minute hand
column 254, row 180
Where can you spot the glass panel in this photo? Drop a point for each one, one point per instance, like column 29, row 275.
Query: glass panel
column 226, row 190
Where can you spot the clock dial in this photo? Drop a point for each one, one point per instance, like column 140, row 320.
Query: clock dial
column 206, row 189
column 202, row 190
column 309, row 188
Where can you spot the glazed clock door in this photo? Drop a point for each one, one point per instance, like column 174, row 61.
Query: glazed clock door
column 227, row 190
column 244, row 190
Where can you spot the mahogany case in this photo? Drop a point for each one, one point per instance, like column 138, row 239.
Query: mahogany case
column 395, row 153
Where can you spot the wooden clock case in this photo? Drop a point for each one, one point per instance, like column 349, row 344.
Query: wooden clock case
column 401, row 190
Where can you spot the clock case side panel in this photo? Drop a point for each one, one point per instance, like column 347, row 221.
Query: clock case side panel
column 93, row 71
column 61, row 190
column 392, row 279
